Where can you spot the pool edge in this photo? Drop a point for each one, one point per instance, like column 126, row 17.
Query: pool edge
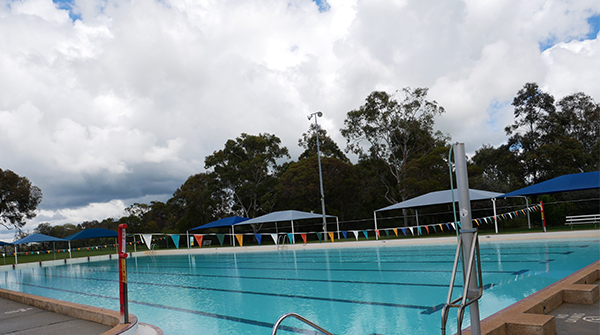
column 529, row 315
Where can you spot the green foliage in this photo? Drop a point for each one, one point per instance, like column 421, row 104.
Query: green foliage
column 397, row 131
column 246, row 171
column 196, row 202
column 327, row 146
column 18, row 199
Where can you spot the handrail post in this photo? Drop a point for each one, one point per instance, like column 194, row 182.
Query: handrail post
column 301, row 318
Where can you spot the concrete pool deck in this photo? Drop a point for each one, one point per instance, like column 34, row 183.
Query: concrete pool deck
column 582, row 281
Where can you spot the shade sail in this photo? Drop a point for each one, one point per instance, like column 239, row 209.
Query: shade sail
column 566, row 183
column 4, row 243
column 225, row 222
column 440, row 197
column 92, row 233
column 290, row 215
column 38, row 238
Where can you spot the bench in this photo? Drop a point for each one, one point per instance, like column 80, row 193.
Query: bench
column 582, row 219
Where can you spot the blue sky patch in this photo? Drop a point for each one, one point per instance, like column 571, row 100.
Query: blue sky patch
column 494, row 112
column 70, row 6
column 594, row 24
column 323, row 5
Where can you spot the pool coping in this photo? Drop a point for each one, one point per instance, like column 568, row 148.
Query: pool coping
column 529, row 315
column 84, row 312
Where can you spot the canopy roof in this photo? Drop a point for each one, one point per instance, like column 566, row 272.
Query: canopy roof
column 440, row 197
column 290, row 215
column 225, row 222
column 38, row 238
column 566, row 183
column 92, row 233
column 4, row 243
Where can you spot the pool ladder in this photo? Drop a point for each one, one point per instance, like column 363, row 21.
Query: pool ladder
column 462, row 302
column 301, row 318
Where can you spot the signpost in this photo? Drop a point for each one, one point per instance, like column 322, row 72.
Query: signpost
column 123, row 273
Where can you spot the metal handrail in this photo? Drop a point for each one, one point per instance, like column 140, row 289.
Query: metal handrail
column 463, row 299
column 301, row 318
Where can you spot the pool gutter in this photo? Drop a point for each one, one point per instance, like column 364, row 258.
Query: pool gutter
column 529, row 316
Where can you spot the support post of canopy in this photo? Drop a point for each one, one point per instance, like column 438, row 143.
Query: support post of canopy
column 495, row 217
column 293, row 236
column 375, row 219
column 16, row 258
column 70, row 256
column 187, row 237
column 233, row 235
column 337, row 220
column 528, row 218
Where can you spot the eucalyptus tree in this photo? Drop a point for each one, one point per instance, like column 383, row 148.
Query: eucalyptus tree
column 19, row 199
column 394, row 129
column 245, row 169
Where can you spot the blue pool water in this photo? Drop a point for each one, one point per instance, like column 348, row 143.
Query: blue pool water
column 367, row 290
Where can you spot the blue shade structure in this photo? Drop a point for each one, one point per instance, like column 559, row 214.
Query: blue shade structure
column 225, row 222
column 92, row 233
column 566, row 183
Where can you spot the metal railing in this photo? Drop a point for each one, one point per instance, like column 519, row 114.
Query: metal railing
column 281, row 241
column 301, row 318
column 466, row 293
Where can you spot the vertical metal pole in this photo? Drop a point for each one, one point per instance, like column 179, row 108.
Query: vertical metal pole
column 375, row 218
column 495, row 218
column 417, row 216
column 543, row 216
column 528, row 218
column 464, row 205
column 321, row 178
column 337, row 220
column 293, row 235
column 122, row 249
column 70, row 256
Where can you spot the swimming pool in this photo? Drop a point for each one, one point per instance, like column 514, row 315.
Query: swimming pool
column 366, row 290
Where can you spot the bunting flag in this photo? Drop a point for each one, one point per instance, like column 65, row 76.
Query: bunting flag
column 441, row 227
column 427, row 228
column 355, row 234
column 345, row 233
column 396, row 232
column 291, row 237
column 258, row 238
column 366, row 233
column 320, row 236
column 199, row 239
column 147, row 239
column 459, row 225
column 419, row 228
column 387, row 232
column 274, row 237
column 240, row 239
column 331, row 236
column 411, row 231
column 175, row 238
column 221, row 238
column 434, row 230
column 377, row 232
column 403, row 231
column 303, row 238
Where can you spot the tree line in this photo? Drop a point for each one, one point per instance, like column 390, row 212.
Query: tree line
column 400, row 156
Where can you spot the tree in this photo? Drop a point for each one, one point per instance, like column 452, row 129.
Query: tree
column 299, row 187
column 327, row 146
column 397, row 130
column 496, row 169
column 245, row 169
column 196, row 202
column 18, row 200
column 533, row 110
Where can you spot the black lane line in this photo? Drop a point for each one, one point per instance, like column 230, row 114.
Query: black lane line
column 321, row 269
column 190, row 311
column 360, row 302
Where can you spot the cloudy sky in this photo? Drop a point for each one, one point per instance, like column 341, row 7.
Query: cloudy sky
column 105, row 103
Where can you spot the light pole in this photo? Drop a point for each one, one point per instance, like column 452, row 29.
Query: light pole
column 317, row 115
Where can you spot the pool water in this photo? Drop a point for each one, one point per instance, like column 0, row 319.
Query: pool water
column 367, row 290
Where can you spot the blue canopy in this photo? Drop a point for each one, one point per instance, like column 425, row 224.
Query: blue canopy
column 4, row 243
column 92, row 233
column 290, row 215
column 566, row 183
column 225, row 222
column 38, row 238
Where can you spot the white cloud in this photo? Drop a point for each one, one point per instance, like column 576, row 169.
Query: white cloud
column 126, row 101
